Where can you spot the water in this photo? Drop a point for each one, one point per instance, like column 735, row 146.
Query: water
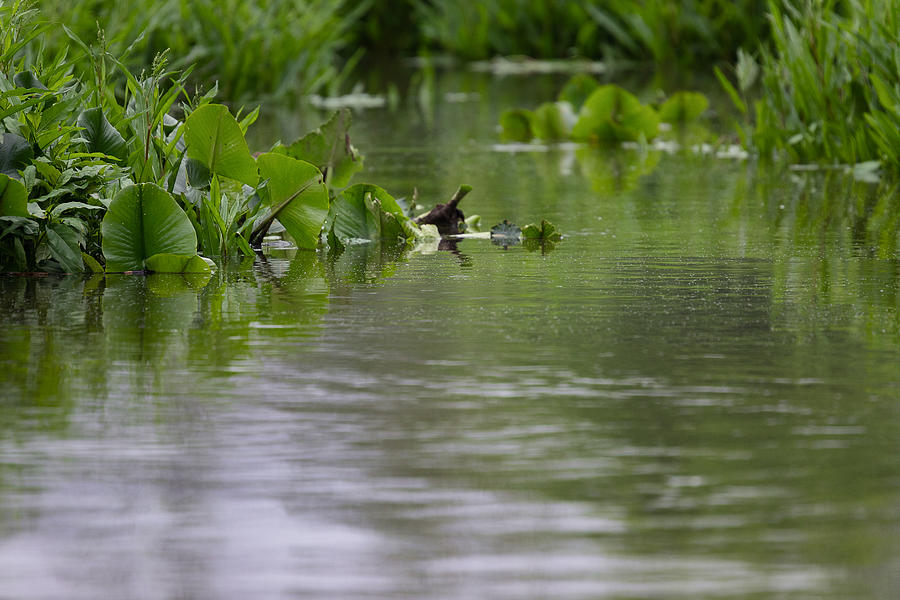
column 694, row 395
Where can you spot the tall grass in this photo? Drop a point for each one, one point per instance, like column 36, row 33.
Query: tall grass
column 829, row 83
column 667, row 32
column 253, row 49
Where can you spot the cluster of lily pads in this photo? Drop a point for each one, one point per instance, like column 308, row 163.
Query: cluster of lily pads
column 587, row 111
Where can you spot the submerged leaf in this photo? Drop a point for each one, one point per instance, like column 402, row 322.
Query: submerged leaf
column 214, row 138
column 144, row 220
column 515, row 125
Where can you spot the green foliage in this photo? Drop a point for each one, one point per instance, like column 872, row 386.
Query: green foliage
column 545, row 232
column 553, row 121
column 682, row 107
column 176, row 263
column 295, row 196
column 365, row 213
column 144, row 220
column 214, row 138
column 829, row 84
column 329, row 149
column 611, row 114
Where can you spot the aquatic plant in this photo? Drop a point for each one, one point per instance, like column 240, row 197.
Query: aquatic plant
column 828, row 86
column 588, row 111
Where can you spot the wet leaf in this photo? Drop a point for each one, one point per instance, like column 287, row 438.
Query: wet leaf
column 177, row 263
column 553, row 121
column 365, row 213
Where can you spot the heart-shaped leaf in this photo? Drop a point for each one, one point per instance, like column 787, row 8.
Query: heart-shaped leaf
column 214, row 137
column 611, row 114
column 296, row 192
column 329, row 148
column 683, row 107
column 515, row 125
column 144, row 220
column 365, row 213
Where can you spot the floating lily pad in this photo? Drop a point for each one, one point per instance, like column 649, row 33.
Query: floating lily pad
column 553, row 121
column 578, row 89
column 506, row 233
column 546, row 231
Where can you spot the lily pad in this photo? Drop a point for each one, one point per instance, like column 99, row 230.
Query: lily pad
column 546, row 231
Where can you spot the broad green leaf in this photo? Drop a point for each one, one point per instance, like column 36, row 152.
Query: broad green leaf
column 15, row 154
column 63, row 242
column 515, row 125
column 64, row 206
column 28, row 80
column 365, row 213
column 683, row 107
column 144, row 220
column 176, row 263
column 553, row 121
column 13, row 197
column 101, row 136
column 611, row 114
column 578, row 89
column 295, row 187
column 214, row 138
column 90, row 263
column 329, row 149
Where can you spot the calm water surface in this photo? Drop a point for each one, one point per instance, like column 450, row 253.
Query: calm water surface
column 694, row 395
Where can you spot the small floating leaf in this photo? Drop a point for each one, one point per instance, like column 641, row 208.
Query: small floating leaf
column 506, row 233
column 683, row 107
column 546, row 231
column 516, row 125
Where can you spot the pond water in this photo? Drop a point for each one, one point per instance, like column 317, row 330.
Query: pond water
column 693, row 395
